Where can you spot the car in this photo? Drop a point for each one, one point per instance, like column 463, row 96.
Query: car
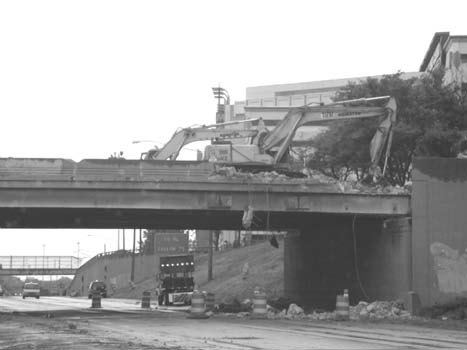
column 97, row 286
column 31, row 289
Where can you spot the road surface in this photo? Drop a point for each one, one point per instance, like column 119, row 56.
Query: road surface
column 70, row 323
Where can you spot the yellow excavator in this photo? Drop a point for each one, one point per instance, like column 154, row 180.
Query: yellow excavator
column 268, row 149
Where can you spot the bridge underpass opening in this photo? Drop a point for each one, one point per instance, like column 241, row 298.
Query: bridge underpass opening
column 371, row 257
column 320, row 249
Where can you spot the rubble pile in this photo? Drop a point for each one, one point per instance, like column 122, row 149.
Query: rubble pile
column 312, row 177
column 358, row 187
column 234, row 306
column 379, row 310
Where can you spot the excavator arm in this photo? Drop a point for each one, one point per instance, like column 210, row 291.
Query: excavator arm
column 282, row 135
column 185, row 136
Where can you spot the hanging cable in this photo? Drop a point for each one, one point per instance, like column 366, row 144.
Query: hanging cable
column 267, row 205
column 355, row 259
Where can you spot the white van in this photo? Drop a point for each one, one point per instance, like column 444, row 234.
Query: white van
column 31, row 289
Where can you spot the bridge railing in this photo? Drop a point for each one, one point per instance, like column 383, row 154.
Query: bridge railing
column 39, row 262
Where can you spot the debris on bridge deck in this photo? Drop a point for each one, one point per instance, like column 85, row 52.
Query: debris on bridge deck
column 313, row 177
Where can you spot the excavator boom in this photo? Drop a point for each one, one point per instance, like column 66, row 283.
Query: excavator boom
column 268, row 147
column 281, row 136
column 210, row 132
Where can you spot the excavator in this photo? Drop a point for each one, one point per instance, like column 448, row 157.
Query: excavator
column 268, row 149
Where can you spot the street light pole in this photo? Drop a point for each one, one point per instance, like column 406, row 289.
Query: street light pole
column 78, row 253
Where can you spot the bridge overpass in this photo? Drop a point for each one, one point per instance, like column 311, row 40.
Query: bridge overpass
column 38, row 265
column 116, row 193
column 333, row 226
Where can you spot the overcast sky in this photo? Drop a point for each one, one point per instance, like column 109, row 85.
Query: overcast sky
column 83, row 79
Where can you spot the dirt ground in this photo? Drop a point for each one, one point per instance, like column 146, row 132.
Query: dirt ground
column 85, row 329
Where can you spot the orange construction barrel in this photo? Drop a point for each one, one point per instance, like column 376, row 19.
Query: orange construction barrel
column 259, row 304
column 197, row 309
column 342, row 307
column 96, row 300
column 146, row 300
column 210, row 301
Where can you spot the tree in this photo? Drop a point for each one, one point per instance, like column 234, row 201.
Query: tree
column 431, row 120
column 147, row 246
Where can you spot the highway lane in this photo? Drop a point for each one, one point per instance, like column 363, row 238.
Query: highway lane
column 70, row 323
column 50, row 304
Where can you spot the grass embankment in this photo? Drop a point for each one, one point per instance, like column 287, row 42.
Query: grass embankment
column 266, row 270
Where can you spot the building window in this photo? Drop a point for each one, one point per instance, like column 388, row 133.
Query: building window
column 463, row 57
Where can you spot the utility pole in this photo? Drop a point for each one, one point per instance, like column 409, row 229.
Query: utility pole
column 140, row 240
column 210, row 256
column 118, row 242
column 123, row 234
column 132, row 277
column 43, row 260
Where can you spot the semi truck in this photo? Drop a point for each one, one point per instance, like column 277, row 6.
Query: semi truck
column 176, row 276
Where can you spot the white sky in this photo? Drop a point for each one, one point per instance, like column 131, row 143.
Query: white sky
column 83, row 79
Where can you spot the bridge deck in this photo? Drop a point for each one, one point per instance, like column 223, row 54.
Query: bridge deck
column 102, row 193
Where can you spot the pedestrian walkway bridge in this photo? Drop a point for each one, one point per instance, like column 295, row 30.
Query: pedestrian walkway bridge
column 38, row 265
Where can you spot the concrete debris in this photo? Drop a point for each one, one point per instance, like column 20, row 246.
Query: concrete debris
column 234, row 306
column 377, row 310
column 280, row 303
column 295, row 310
column 263, row 176
column 358, row 187
column 247, row 303
column 313, row 177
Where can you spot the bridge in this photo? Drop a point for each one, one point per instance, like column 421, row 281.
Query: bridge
column 38, row 265
column 325, row 220
column 116, row 193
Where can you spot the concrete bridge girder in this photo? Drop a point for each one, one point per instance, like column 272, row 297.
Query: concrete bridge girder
column 128, row 201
